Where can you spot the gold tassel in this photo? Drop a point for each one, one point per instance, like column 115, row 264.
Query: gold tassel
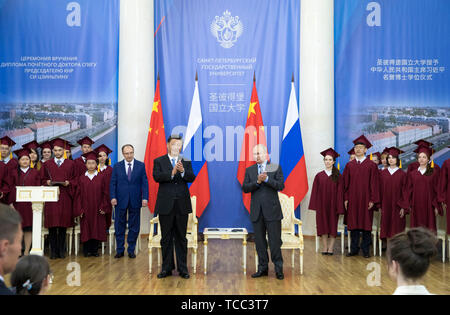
column 109, row 161
column 371, row 157
column 32, row 164
column 10, row 156
column 339, row 167
column 400, row 164
column 65, row 154
column 432, row 164
column 98, row 168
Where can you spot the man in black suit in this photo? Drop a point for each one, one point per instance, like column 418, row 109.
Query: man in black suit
column 263, row 180
column 10, row 243
column 173, row 205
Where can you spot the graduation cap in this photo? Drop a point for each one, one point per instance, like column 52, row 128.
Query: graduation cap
column 351, row 152
column 22, row 152
column 103, row 148
column 427, row 150
column 58, row 142
column 395, row 152
column 7, row 141
column 362, row 140
column 86, row 140
column 46, row 145
column 377, row 154
column 423, row 142
column 331, row 152
column 90, row 156
column 33, row 145
column 385, row 150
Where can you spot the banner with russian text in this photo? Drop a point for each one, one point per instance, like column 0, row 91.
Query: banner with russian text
column 227, row 42
column 58, row 71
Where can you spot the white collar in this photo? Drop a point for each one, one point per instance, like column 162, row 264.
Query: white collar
column 328, row 172
column 91, row 176
column 360, row 161
column 126, row 163
column 173, row 157
column 392, row 170
column 2, row 279
column 25, row 169
column 61, row 159
column 104, row 167
column 6, row 159
column 422, row 171
column 411, row 290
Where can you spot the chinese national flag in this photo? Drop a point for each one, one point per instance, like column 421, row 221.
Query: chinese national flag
column 254, row 134
column 156, row 146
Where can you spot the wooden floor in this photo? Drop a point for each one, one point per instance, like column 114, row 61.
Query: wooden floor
column 322, row 274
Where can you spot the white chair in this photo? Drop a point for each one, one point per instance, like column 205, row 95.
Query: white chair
column 340, row 229
column 288, row 237
column 376, row 231
column 441, row 229
column 154, row 241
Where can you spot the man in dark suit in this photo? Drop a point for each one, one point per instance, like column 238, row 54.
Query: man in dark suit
column 263, row 180
column 129, row 192
column 173, row 205
column 10, row 243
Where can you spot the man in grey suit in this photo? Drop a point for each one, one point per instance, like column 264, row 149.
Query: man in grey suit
column 263, row 180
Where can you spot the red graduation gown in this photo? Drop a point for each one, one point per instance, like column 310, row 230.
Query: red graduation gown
column 107, row 172
column 327, row 200
column 361, row 186
column 91, row 197
column 59, row 214
column 444, row 189
column 5, row 182
column 80, row 167
column 420, row 199
column 11, row 167
column 19, row 178
column 392, row 187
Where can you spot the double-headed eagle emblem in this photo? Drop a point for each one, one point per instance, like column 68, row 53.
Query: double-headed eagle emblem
column 226, row 29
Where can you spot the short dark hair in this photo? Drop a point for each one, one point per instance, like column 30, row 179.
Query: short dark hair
column 10, row 220
column 174, row 137
column 413, row 250
column 127, row 145
column 29, row 275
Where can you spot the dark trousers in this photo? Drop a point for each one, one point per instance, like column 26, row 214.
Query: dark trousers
column 57, row 240
column 173, row 232
column 120, row 226
column 273, row 229
column 355, row 236
column 90, row 247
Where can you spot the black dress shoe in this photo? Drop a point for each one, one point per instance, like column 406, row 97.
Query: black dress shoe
column 53, row 256
column 330, row 254
column 366, row 255
column 324, row 253
column 184, row 275
column 260, row 274
column 351, row 254
column 131, row 255
column 94, row 254
column 280, row 276
column 119, row 255
column 164, row 274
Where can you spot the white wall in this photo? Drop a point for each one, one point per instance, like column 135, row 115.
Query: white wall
column 136, row 84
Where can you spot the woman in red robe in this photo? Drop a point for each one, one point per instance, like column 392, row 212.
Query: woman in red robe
column 393, row 183
column 91, row 206
column 444, row 190
column 24, row 176
column 327, row 201
column 104, row 167
column 420, row 199
column 58, row 216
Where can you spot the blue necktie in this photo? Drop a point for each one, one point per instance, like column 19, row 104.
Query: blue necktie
column 129, row 172
column 173, row 163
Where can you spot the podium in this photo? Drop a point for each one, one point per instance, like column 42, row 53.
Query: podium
column 37, row 195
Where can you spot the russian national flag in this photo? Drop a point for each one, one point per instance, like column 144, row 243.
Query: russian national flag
column 193, row 149
column 292, row 159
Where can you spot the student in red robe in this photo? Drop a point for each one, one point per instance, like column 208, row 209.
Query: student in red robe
column 351, row 154
column 58, row 216
column 384, row 164
column 6, row 144
column 327, row 201
column 5, row 183
column 415, row 165
column 80, row 163
column 46, row 151
column 376, row 158
column 420, row 199
column 24, row 176
column 361, row 192
column 91, row 205
column 393, row 183
column 444, row 190
column 104, row 167
column 34, row 154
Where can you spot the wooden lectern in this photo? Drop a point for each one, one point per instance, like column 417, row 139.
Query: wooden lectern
column 37, row 195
